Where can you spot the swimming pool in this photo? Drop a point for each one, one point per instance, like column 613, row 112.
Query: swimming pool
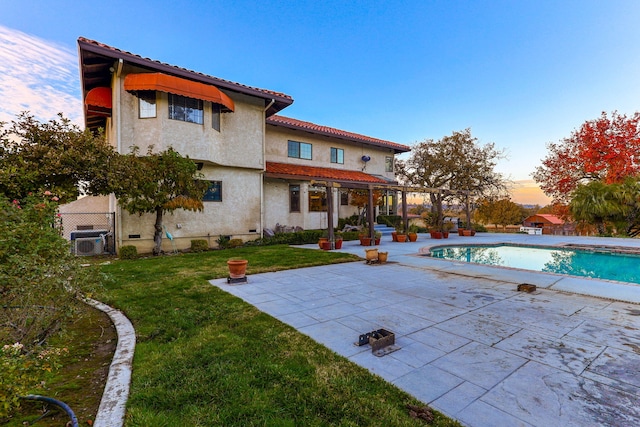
column 597, row 263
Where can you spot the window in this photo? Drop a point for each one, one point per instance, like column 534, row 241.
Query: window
column 337, row 155
column 344, row 198
column 294, row 198
column 214, row 192
column 215, row 118
column 147, row 104
column 185, row 109
column 317, row 200
column 300, row 150
column 388, row 164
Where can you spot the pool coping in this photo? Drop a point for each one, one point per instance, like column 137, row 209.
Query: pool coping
column 601, row 288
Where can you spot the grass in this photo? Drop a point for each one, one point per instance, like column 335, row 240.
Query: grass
column 206, row 358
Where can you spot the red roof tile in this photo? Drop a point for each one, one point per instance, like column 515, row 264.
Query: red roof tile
column 332, row 132
column 314, row 172
column 102, row 49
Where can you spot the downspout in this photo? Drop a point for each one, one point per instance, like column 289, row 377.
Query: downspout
column 118, row 142
column 264, row 165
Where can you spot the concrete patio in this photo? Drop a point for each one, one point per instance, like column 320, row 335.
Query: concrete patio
column 471, row 345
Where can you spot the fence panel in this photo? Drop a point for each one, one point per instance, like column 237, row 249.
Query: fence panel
column 90, row 233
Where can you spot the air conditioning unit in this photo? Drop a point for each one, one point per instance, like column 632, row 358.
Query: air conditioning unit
column 89, row 246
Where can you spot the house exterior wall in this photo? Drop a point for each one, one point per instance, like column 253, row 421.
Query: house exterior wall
column 276, row 150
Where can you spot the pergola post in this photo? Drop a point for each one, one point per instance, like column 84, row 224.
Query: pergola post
column 330, row 235
column 370, row 215
column 405, row 218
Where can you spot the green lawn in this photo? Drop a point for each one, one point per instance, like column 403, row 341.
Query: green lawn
column 206, row 358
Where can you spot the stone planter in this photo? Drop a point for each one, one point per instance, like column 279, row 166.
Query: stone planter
column 371, row 254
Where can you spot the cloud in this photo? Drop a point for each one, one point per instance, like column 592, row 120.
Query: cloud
column 38, row 76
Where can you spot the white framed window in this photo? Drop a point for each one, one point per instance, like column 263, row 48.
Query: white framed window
column 388, row 164
column 337, row 155
column 215, row 116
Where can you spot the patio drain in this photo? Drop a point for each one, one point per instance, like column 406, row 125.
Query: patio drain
column 382, row 342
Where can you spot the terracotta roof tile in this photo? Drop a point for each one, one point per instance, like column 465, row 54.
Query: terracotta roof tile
column 296, row 124
column 315, row 172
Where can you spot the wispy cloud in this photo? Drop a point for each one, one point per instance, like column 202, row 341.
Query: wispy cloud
column 38, row 76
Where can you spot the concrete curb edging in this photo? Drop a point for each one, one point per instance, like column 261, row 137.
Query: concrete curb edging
column 111, row 412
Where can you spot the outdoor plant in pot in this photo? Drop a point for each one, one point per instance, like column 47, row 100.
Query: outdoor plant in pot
column 401, row 236
column 365, row 237
column 338, row 240
column 237, row 267
column 413, row 233
column 378, row 237
column 322, row 239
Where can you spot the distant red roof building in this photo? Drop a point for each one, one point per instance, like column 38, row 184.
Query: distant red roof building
column 550, row 224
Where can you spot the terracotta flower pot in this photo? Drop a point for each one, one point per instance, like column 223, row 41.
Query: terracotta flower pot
column 402, row 238
column 394, row 236
column 326, row 246
column 466, row 232
column 377, row 241
column 365, row 241
column 237, row 268
column 322, row 240
column 445, row 234
column 436, row 234
column 338, row 244
column 412, row 237
column 460, row 231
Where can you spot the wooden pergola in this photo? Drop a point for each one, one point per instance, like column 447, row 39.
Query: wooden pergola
column 403, row 189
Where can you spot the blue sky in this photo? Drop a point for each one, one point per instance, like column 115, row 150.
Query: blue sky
column 518, row 73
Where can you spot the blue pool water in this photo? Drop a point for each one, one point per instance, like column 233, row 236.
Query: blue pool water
column 575, row 262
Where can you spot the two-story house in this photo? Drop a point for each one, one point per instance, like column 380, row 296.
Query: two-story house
column 261, row 167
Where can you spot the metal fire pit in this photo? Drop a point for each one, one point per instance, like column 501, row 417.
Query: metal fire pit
column 382, row 342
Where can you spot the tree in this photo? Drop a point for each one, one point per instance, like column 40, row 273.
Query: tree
column 157, row 183
column 627, row 195
column 595, row 203
column 455, row 162
column 55, row 156
column 605, row 149
column 499, row 212
column 360, row 199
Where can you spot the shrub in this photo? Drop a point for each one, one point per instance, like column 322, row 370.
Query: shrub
column 223, row 241
column 128, row 252
column 235, row 243
column 297, row 238
column 352, row 220
column 199, row 245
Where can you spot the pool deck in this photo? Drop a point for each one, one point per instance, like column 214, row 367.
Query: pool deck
column 471, row 345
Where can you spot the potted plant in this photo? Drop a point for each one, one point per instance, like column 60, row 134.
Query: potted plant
column 338, row 240
column 378, row 237
column 447, row 226
column 365, row 237
column 237, row 267
column 401, row 236
column 413, row 233
column 324, row 238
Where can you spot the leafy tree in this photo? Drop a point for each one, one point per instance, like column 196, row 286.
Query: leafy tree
column 157, row 183
column 604, row 149
column 360, row 199
column 627, row 195
column 455, row 162
column 55, row 156
column 594, row 203
column 499, row 212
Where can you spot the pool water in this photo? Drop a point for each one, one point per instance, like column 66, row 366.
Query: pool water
column 575, row 262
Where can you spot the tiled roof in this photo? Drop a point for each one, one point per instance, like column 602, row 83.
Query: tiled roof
column 296, row 124
column 106, row 50
column 314, row 172
column 551, row 218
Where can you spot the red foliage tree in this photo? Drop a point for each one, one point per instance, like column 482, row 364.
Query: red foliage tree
column 605, row 149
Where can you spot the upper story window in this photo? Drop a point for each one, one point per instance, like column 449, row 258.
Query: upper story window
column 215, row 117
column 214, row 192
column 147, row 104
column 185, row 109
column 337, row 155
column 388, row 164
column 300, row 150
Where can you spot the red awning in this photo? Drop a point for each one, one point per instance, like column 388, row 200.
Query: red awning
column 98, row 100
column 178, row 86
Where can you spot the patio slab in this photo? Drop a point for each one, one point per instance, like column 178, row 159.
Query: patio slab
column 471, row 345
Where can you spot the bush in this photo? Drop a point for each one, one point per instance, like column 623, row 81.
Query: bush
column 235, row 243
column 200, row 245
column 352, row 220
column 223, row 241
column 128, row 252
column 297, row 238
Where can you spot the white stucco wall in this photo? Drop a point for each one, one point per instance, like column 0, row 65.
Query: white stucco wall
column 277, row 145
